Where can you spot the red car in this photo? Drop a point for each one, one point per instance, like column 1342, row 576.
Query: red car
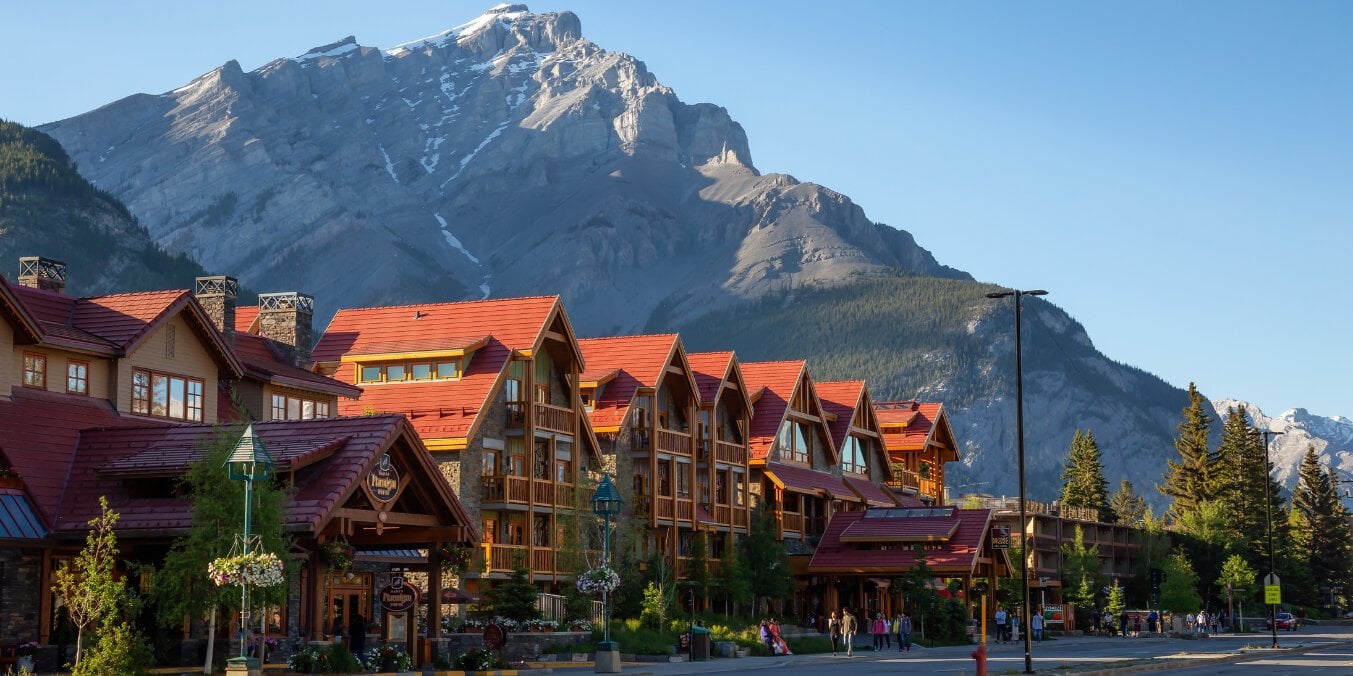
column 1286, row 622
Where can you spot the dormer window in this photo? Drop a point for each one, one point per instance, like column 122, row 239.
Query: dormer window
column 588, row 397
column 410, row 371
column 852, row 457
column 794, row 442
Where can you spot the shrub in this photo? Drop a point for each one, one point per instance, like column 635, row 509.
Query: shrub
column 806, row 645
column 341, row 660
column 120, row 650
column 477, row 659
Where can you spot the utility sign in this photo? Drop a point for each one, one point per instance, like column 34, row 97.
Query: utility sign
column 1000, row 536
column 1273, row 594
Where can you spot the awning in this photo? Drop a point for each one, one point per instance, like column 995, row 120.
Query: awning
column 870, row 492
column 809, row 482
column 17, row 520
column 405, row 556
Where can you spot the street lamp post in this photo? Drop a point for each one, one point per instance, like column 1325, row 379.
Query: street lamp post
column 606, row 502
column 1023, row 499
column 1268, row 518
column 249, row 462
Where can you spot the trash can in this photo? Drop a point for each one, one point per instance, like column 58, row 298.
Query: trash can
column 700, row 642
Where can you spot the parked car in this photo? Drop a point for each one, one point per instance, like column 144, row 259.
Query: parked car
column 1286, row 622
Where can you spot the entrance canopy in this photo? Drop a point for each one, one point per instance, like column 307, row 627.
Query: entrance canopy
column 882, row 541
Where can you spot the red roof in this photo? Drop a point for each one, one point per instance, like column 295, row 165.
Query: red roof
column 445, row 408
column 958, row 554
column 245, row 317
column 919, row 421
column 869, row 491
column 841, row 398
column 710, row 369
column 809, row 481
column 641, row 362
column 517, row 323
column 39, row 431
column 262, row 360
column 13, row 309
column 779, row 378
column 329, row 457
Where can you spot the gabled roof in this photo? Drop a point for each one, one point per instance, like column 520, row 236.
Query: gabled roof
column 329, row 457
column 12, row 310
column 443, row 409
column 840, row 398
column 640, row 362
column 115, row 325
column 962, row 533
column 779, row 382
column 262, row 361
column 869, row 492
column 913, row 425
column 716, row 371
column 809, row 482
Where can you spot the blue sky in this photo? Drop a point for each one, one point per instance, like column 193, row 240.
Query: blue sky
column 1178, row 175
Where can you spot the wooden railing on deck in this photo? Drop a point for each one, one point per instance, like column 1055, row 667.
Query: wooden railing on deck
column 791, row 522
column 932, row 487
column 905, row 478
column 670, row 441
column 740, row 517
column 664, row 508
column 507, row 557
column 686, row 510
column 554, row 418
column 729, row 452
column 542, row 560
column 503, row 488
column 723, row 514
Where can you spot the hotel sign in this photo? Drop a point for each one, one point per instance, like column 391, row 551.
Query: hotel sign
column 398, row 596
column 383, row 481
column 1000, row 536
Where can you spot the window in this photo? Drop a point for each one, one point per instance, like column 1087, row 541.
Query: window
column 852, row 457
column 664, row 481
column 371, row 374
column 588, row 397
column 167, row 396
column 540, row 531
column 448, row 369
column 420, row 372
column 516, row 457
column 395, row 373
column 683, row 476
column 721, row 488
column 408, row 371
column 77, row 377
column 739, row 492
column 563, row 472
column 542, row 460
column 793, row 440
column 544, row 367
column 292, row 407
column 490, row 462
column 512, row 388
column 35, row 370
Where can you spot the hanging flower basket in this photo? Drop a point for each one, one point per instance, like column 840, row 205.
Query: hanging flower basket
column 255, row 570
column 599, row 580
column 456, row 558
column 338, row 555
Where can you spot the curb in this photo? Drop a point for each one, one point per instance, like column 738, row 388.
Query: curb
column 1180, row 663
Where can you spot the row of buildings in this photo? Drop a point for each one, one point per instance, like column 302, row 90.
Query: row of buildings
column 486, row 422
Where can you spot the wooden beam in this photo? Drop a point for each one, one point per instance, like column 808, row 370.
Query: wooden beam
column 369, row 516
column 421, row 537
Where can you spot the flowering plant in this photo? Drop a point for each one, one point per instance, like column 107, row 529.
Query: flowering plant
column 388, row 651
column 538, row 625
column 598, row 580
column 338, row 554
column 29, row 648
column 478, row 659
column 510, row 624
column 308, row 660
column 452, row 625
column 456, row 558
column 255, row 569
column 582, row 625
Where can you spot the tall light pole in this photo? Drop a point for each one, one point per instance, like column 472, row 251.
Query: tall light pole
column 1023, row 499
column 1268, row 518
column 606, row 503
column 249, row 462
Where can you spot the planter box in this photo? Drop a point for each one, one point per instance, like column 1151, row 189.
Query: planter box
column 743, row 652
column 581, row 657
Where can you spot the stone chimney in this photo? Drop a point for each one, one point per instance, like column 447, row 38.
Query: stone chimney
column 42, row 273
column 217, row 296
column 286, row 318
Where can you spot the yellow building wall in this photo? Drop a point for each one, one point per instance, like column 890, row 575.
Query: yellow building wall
column 57, row 360
column 190, row 357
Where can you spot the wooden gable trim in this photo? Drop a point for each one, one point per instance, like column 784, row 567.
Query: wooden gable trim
column 557, row 315
column 18, row 314
column 420, row 354
column 805, row 381
column 201, row 325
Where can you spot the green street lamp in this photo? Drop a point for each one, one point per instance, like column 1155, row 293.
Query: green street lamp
column 249, row 462
column 606, row 502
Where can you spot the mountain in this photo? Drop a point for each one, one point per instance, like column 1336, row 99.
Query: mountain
column 1298, row 430
column 48, row 209
column 510, row 155
column 504, row 156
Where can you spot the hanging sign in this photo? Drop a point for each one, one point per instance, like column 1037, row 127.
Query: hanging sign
column 398, row 596
column 383, row 481
column 1000, row 536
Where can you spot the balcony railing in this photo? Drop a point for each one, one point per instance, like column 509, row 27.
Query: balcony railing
column 563, row 495
column 506, row 558
column 739, row 517
column 516, row 413
column 542, row 492
column 723, row 514
column 932, row 487
column 686, row 510
column 670, row 441
column 664, row 508
column 554, row 418
column 905, row 478
column 791, row 522
column 730, row 452
column 502, row 488
column 542, row 559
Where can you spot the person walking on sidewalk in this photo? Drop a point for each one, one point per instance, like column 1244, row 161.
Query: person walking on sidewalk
column 848, row 629
column 880, row 630
column 895, row 629
column 1001, row 620
column 834, row 631
column 1036, row 626
column 904, row 633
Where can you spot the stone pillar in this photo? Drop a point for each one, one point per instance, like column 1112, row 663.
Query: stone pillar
column 217, row 296
column 286, row 318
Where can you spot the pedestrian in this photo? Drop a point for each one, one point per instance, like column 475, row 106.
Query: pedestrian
column 904, row 640
column 1036, row 626
column 766, row 637
column 779, row 647
column 1001, row 619
column 1123, row 623
column 1095, row 626
column 1136, row 625
column 1108, row 623
column 848, row 629
column 1216, row 623
column 357, row 636
column 1153, row 622
column 1201, row 622
column 834, row 631
column 880, row 630
column 1014, row 627
column 895, row 627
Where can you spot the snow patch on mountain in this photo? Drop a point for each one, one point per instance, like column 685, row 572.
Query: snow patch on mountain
column 1297, row 430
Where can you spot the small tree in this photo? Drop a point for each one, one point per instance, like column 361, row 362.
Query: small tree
column 734, row 579
column 698, row 575
column 1179, row 591
column 659, row 593
column 1116, row 601
column 771, row 577
column 516, row 599
column 1081, row 570
column 1237, row 578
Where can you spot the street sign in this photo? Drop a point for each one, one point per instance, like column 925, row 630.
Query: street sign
column 1271, row 580
column 1272, row 594
column 1000, row 536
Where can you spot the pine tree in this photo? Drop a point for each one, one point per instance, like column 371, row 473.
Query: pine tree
column 516, row 598
column 1322, row 545
column 1083, row 482
column 1186, row 480
column 1236, row 482
column 1127, row 505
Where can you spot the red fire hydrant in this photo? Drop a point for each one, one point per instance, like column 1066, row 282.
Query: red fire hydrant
column 980, row 655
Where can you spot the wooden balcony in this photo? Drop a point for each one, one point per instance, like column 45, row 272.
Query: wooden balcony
column 664, row 508
column 670, row 441
column 563, row 495
column 905, row 478
column 731, row 453
column 554, row 418
column 542, row 492
column 740, row 517
column 723, row 514
column 506, row 558
column 542, row 560
column 685, row 509
column 502, row 488
column 791, row 522
column 932, row 487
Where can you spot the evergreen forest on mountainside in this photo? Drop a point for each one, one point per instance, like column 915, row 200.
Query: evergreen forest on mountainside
column 48, row 209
